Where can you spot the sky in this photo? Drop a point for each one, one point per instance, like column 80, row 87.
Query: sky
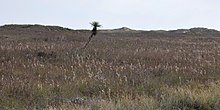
column 135, row 14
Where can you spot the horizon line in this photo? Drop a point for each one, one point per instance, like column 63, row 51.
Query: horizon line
column 104, row 28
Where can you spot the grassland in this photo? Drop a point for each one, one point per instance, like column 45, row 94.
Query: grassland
column 48, row 70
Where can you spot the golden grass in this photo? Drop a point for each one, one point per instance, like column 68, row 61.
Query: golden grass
column 111, row 73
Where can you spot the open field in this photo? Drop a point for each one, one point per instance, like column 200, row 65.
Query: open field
column 44, row 68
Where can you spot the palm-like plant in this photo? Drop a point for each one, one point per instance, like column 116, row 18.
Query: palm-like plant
column 95, row 24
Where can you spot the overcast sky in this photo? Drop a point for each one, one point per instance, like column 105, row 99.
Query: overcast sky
column 135, row 14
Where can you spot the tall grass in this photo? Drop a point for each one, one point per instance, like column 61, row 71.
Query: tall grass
column 111, row 73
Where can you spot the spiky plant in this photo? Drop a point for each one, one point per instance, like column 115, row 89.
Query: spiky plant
column 95, row 24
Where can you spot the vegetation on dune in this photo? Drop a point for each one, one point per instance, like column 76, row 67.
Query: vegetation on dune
column 119, row 72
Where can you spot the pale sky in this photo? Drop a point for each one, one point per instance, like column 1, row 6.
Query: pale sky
column 135, row 14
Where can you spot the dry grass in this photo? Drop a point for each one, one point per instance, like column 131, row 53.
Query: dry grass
column 112, row 73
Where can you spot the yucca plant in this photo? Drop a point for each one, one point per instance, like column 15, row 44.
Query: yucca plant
column 95, row 24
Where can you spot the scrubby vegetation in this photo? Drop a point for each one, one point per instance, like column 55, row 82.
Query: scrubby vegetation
column 113, row 72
